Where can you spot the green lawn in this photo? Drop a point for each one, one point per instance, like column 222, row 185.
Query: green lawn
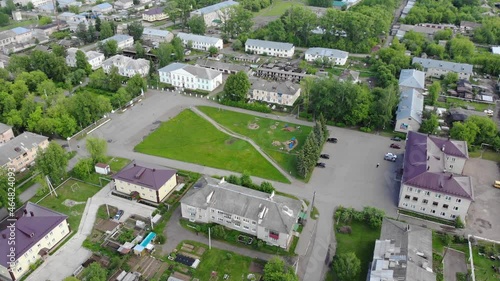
column 117, row 163
column 278, row 7
column 188, row 137
column 454, row 102
column 81, row 194
column 487, row 155
column 483, row 265
column 269, row 131
column 14, row 24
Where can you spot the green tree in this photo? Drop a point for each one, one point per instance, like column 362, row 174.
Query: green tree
column 48, row 88
column 347, row 266
column 460, row 48
column 237, row 86
column 81, row 32
column 83, row 168
column 52, row 162
column 197, row 25
column 136, row 85
column 120, row 98
column 434, row 91
column 94, row 272
column 82, row 62
column 97, row 24
column 381, row 110
column 172, row 11
column 276, row 270
column 7, row 197
column 106, row 30
column 139, row 50
column 71, row 278
column 450, row 79
column 429, row 125
column 109, row 48
column 58, row 50
column 114, row 80
column 185, row 7
column 44, row 20
column 219, row 232
column 4, row 19
column 237, row 45
column 74, row 9
column 464, row 131
column 19, row 90
column 320, row 3
column 135, row 30
column 213, row 50
column 87, row 109
column 164, row 53
column 97, row 149
column 32, row 79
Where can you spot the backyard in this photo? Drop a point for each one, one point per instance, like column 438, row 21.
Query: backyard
column 272, row 136
column 455, row 102
column 190, row 138
column 278, row 7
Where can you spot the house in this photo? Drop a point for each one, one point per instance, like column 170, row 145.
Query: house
column 124, row 4
column 269, row 48
column 22, row 150
column 103, row 8
column 215, row 14
column 438, row 68
column 122, row 40
column 412, row 79
column 7, row 37
column 127, row 66
column 50, row 28
column 74, row 20
column 280, row 72
column 349, row 75
column 95, row 59
column 269, row 217
column 63, row 4
column 102, row 168
column 37, row 231
column 247, row 58
column 6, row 133
column 200, row 42
column 150, row 184
column 35, row 3
column 190, row 77
column 411, row 100
column 227, row 68
column 334, row 56
column 154, row 14
column 432, row 182
column 468, row 26
column 282, row 93
column 403, row 252
column 464, row 89
column 157, row 35
column 22, row 35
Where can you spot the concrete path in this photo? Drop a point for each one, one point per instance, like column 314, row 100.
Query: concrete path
column 454, row 262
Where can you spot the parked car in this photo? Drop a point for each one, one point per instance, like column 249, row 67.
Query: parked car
column 118, row 215
column 391, row 157
column 332, row 140
column 396, row 139
column 497, row 184
column 395, row 145
column 325, row 156
column 320, row 164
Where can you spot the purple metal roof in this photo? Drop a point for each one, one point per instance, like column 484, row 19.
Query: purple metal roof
column 451, row 147
column 29, row 229
column 147, row 177
column 154, row 11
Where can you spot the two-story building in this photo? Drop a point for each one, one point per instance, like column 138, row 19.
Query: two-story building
column 37, row 231
column 6, row 133
column 215, row 14
column 200, row 42
column 35, row 3
column 154, row 14
column 411, row 100
column 269, row 48
column 269, row 217
column 126, row 66
column 282, row 93
column 148, row 183
column 438, row 68
column 123, row 41
column 103, row 8
column 73, row 20
column 124, row 4
column 21, row 151
column 7, row 37
column 95, row 59
column 334, row 56
column 190, row 77
column 157, row 35
column 22, row 35
column 432, row 182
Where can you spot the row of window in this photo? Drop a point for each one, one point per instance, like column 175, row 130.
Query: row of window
column 233, row 217
column 432, row 211
column 428, row 193
column 236, row 224
column 425, row 201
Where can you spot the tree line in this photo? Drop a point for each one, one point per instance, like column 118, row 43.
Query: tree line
column 309, row 154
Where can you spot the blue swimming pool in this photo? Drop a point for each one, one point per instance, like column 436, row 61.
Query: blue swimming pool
column 148, row 239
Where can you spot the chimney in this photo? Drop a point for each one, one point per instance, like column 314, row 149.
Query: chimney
column 135, row 165
column 451, row 176
column 154, row 170
column 442, row 149
column 25, row 211
column 32, row 214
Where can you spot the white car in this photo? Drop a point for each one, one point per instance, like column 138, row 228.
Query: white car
column 391, row 157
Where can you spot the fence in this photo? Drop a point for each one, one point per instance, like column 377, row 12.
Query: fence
column 90, row 128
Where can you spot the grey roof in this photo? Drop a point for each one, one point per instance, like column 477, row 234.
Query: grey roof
column 198, row 71
column 19, row 145
column 424, row 165
column 118, row 38
column 156, row 32
column 269, row 44
column 412, row 78
column 7, row 34
column 411, row 104
column 103, row 6
column 282, row 212
column 282, row 87
column 126, row 62
column 148, row 177
column 93, row 54
column 444, row 65
column 4, row 127
column 222, row 65
column 215, row 7
column 325, row 52
column 155, row 11
column 198, row 38
column 349, row 75
column 20, row 30
column 29, row 229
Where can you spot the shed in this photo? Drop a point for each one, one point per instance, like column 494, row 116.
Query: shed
column 102, row 168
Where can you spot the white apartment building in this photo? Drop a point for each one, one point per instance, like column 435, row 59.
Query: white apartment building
column 103, row 8
column 438, row 68
column 157, row 35
column 190, row 77
column 73, row 20
column 411, row 101
column 126, row 66
column 36, row 3
column 432, row 182
column 123, row 41
column 7, row 37
column 124, row 4
column 334, row 56
column 269, row 217
column 22, row 35
column 269, row 48
column 282, row 93
column 200, row 42
column 95, row 59
column 215, row 14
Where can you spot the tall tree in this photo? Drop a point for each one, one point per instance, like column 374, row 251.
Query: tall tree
column 185, row 7
column 197, row 25
column 164, row 54
column 237, row 86
column 135, row 30
column 97, row 24
column 8, row 196
column 277, row 270
column 136, row 85
column 81, row 32
column 430, row 124
column 52, row 162
column 434, row 91
column 139, row 50
column 97, row 149
column 109, row 48
column 106, row 30
column 94, row 272
column 346, row 266
column 82, row 62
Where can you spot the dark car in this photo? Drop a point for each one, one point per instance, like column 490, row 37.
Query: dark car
column 396, row 139
column 320, row 164
column 395, row 145
column 325, row 156
column 118, row 215
column 332, row 140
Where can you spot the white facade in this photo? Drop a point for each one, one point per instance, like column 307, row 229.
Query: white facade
column 438, row 68
column 155, row 14
column 336, row 57
column 126, row 66
column 73, row 20
column 123, row 4
column 95, row 59
column 122, row 40
column 200, row 42
column 6, row 38
column 269, row 48
column 157, row 35
column 282, row 93
column 36, row 3
column 215, row 14
column 190, row 77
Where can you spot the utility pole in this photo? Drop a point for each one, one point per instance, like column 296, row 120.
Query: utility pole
column 107, row 209
column 209, row 240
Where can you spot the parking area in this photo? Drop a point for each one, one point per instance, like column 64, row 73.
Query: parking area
column 483, row 213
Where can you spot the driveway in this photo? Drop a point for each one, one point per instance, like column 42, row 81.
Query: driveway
column 69, row 257
column 454, row 262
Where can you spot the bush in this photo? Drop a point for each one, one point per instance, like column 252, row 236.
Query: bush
column 365, row 129
column 459, row 223
column 219, row 232
column 255, row 106
column 160, row 239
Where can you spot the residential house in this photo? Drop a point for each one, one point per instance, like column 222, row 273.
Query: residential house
column 157, row 35
column 103, row 8
column 349, row 75
column 74, row 20
column 4, row 60
column 227, row 68
column 154, row 14
column 464, row 89
column 150, row 184
column 280, row 72
column 21, row 151
column 334, row 56
column 432, row 182
column 22, row 35
column 122, row 40
column 63, row 4
column 403, row 252
column 428, row 29
column 247, row 58
column 469, row 26
column 271, row 218
column 438, row 68
column 123, row 4
column 95, row 59
column 270, row 48
column 50, row 28
column 215, row 14
column 7, row 37
column 127, row 66
column 411, row 101
column 6, row 133
column 200, row 42
column 282, row 93
column 190, row 77
column 35, row 3
column 37, row 231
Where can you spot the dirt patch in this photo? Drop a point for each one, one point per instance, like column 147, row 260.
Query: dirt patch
column 253, row 126
column 289, row 129
column 71, row 203
column 483, row 223
column 276, row 143
column 291, row 144
column 230, row 141
column 273, row 127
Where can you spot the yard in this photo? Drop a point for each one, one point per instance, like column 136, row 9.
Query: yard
column 483, row 264
column 14, row 24
column 455, row 102
column 190, row 138
column 278, row 7
column 271, row 135
column 73, row 190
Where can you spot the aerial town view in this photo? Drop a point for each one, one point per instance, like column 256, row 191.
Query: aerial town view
column 271, row 140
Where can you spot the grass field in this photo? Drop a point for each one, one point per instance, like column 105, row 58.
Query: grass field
column 80, row 194
column 486, row 155
column 190, row 138
column 454, row 102
column 14, row 24
column 278, row 7
column 268, row 131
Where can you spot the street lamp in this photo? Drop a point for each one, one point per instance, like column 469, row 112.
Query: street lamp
column 69, row 146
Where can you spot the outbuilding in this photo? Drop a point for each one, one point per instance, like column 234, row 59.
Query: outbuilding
column 102, row 168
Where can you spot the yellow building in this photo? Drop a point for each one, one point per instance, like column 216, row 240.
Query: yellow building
column 34, row 232
column 150, row 184
column 21, row 151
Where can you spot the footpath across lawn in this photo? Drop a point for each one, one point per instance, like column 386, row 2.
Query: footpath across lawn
column 190, row 138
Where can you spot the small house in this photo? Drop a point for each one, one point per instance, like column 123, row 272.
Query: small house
column 102, row 169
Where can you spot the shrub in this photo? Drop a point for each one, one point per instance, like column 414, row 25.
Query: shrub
column 255, row 106
column 160, row 239
column 365, row 129
column 459, row 223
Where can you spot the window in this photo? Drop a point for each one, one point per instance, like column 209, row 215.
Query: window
column 451, row 166
column 418, row 190
column 407, row 197
column 253, row 222
column 246, row 227
column 425, row 201
column 434, row 203
column 220, row 219
column 405, row 204
column 422, row 209
column 409, row 188
column 246, row 221
column 453, row 216
column 433, row 211
column 237, row 224
column 459, row 200
column 447, row 197
column 443, row 214
column 428, row 193
column 445, row 206
column 438, row 195
column 213, row 217
column 228, row 221
column 415, row 198
column 455, row 208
